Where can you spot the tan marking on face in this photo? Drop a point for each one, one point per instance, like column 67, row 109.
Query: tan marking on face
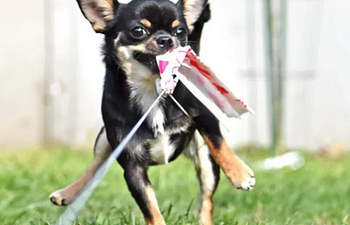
column 97, row 27
column 233, row 167
column 140, row 47
column 157, row 218
column 99, row 13
column 175, row 23
column 125, row 52
column 176, row 42
column 110, row 2
column 146, row 23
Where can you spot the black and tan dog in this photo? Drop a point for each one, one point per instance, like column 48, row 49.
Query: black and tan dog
column 134, row 34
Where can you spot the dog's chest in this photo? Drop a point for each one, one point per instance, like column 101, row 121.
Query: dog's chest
column 143, row 94
column 162, row 147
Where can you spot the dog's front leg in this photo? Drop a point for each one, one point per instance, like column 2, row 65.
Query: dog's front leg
column 135, row 174
column 68, row 194
column 208, row 173
column 239, row 174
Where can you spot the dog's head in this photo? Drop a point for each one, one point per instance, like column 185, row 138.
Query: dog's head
column 143, row 29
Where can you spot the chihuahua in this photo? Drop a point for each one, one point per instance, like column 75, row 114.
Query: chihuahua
column 135, row 33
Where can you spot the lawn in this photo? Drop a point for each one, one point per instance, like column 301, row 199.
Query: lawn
column 318, row 193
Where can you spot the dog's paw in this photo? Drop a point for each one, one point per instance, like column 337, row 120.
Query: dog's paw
column 246, row 180
column 241, row 176
column 60, row 198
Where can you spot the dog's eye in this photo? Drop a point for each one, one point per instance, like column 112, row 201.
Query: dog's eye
column 180, row 33
column 138, row 32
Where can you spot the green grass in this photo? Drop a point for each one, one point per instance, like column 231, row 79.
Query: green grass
column 318, row 193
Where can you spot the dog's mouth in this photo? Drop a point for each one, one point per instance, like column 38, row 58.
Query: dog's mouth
column 145, row 53
column 159, row 45
column 152, row 49
column 147, row 59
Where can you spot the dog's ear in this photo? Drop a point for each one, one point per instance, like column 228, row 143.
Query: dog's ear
column 98, row 12
column 192, row 10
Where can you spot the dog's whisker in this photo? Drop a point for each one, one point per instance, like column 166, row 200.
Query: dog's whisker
column 193, row 43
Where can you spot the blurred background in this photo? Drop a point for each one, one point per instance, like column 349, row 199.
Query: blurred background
column 51, row 72
column 288, row 59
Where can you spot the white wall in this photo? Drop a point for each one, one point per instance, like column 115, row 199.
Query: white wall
column 316, row 95
column 21, row 72
column 331, row 96
column 317, row 105
column 227, row 48
column 78, row 72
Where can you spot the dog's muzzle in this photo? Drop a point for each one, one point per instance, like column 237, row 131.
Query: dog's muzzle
column 165, row 42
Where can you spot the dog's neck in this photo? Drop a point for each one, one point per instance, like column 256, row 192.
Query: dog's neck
column 142, row 86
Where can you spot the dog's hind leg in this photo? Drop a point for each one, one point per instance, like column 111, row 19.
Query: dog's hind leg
column 135, row 174
column 67, row 195
column 208, row 173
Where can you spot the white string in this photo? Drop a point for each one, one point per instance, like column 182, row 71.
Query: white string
column 180, row 106
column 71, row 213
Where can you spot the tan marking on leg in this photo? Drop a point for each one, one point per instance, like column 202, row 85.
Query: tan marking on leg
column 207, row 182
column 68, row 194
column 157, row 218
column 206, row 210
column 175, row 23
column 146, row 23
column 239, row 174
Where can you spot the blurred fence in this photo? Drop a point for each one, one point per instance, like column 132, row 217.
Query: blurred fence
column 51, row 72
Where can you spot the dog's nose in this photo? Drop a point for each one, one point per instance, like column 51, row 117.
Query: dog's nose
column 165, row 42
